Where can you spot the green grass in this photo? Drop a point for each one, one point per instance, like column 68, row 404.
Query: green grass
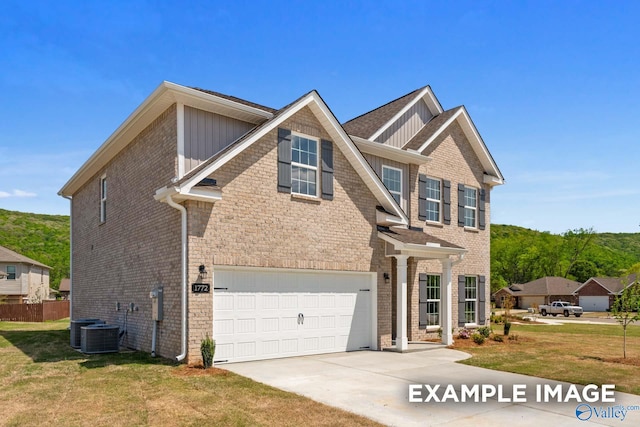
column 43, row 381
column 576, row 353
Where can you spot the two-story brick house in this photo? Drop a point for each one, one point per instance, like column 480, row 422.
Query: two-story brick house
column 313, row 236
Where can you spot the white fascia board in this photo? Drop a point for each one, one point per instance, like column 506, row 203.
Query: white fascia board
column 492, row 180
column 360, row 164
column 340, row 137
column 388, row 152
column 421, row 251
column 478, row 145
column 430, row 100
column 387, row 219
column 181, row 194
column 161, row 98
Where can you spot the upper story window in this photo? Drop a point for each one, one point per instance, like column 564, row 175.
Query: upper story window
column 103, row 198
column 434, row 197
column 470, row 207
column 392, row 179
column 304, row 165
column 11, row 272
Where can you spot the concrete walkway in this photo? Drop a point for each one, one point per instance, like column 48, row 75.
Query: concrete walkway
column 375, row 384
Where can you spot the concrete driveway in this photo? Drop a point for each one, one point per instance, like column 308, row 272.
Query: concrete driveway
column 376, row 385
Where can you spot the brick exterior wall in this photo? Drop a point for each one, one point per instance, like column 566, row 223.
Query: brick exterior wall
column 137, row 247
column 453, row 160
column 256, row 226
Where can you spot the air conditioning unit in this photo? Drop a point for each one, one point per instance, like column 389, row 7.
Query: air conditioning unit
column 75, row 329
column 99, row 339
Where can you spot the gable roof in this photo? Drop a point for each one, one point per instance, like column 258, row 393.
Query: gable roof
column 238, row 100
column 165, row 95
column 368, row 123
column 65, row 285
column 319, row 108
column 550, row 285
column 614, row 285
column 9, row 256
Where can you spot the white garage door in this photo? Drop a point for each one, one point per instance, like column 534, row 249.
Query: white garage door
column 591, row 303
column 528, row 302
column 269, row 313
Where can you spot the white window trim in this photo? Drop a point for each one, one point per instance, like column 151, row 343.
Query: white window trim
column 401, row 182
column 15, row 272
column 474, row 208
column 475, row 311
column 439, row 300
column 439, row 201
column 103, row 198
column 315, row 167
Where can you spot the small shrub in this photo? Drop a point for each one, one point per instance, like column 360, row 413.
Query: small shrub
column 498, row 338
column 440, row 333
column 513, row 337
column 496, row 318
column 485, row 331
column 464, row 334
column 478, row 338
column 207, row 350
column 507, row 327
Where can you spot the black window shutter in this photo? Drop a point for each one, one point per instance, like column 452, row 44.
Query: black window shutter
column 422, row 309
column 446, row 201
column 461, row 298
column 327, row 170
column 481, row 214
column 482, row 303
column 422, row 197
column 284, row 160
column 461, row 205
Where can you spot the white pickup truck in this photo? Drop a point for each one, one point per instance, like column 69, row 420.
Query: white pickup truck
column 561, row 307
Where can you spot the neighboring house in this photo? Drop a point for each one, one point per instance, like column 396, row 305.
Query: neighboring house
column 314, row 236
column 599, row 293
column 538, row 292
column 65, row 288
column 22, row 279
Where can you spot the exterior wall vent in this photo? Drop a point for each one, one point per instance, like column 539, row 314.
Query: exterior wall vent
column 99, row 338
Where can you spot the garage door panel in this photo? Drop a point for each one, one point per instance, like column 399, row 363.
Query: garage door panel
column 256, row 313
column 594, row 303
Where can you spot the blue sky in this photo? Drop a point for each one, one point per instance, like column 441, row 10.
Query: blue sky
column 553, row 87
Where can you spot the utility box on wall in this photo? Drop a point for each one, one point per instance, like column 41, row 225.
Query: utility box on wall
column 156, row 296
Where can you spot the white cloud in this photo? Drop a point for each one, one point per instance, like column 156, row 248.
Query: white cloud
column 16, row 193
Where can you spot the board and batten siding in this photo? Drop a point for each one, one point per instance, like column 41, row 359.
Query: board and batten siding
column 377, row 163
column 400, row 132
column 205, row 134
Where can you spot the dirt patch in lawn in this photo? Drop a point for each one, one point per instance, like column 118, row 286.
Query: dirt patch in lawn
column 197, row 370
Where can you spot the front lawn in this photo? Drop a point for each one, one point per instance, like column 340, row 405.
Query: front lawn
column 576, row 353
column 43, row 381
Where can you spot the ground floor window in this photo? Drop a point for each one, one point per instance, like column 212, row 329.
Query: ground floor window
column 433, row 300
column 470, row 299
column 11, row 272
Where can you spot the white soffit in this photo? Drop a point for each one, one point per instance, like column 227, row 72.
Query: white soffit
column 388, row 152
column 478, row 145
column 161, row 98
column 425, row 94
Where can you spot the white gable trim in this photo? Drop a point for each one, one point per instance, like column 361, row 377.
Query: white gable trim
column 478, row 145
column 429, row 98
column 165, row 95
column 340, row 138
column 389, row 152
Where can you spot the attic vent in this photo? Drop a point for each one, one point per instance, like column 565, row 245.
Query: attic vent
column 99, row 339
column 75, row 329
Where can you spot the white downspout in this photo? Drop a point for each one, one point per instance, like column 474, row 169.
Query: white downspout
column 70, row 199
column 183, row 212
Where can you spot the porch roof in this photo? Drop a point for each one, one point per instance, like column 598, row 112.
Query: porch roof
column 417, row 243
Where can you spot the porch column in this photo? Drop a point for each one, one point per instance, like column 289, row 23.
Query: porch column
column 402, row 343
column 445, row 300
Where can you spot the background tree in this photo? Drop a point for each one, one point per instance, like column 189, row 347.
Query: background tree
column 627, row 304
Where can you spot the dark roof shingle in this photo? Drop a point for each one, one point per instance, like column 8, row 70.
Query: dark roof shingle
column 429, row 129
column 238, row 100
column 367, row 124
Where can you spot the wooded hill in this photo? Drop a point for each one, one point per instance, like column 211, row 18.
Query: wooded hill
column 44, row 238
column 518, row 255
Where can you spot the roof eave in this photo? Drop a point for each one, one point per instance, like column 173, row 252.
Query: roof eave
column 165, row 95
column 388, row 152
column 426, row 251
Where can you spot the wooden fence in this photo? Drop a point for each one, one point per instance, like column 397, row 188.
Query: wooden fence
column 49, row 310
